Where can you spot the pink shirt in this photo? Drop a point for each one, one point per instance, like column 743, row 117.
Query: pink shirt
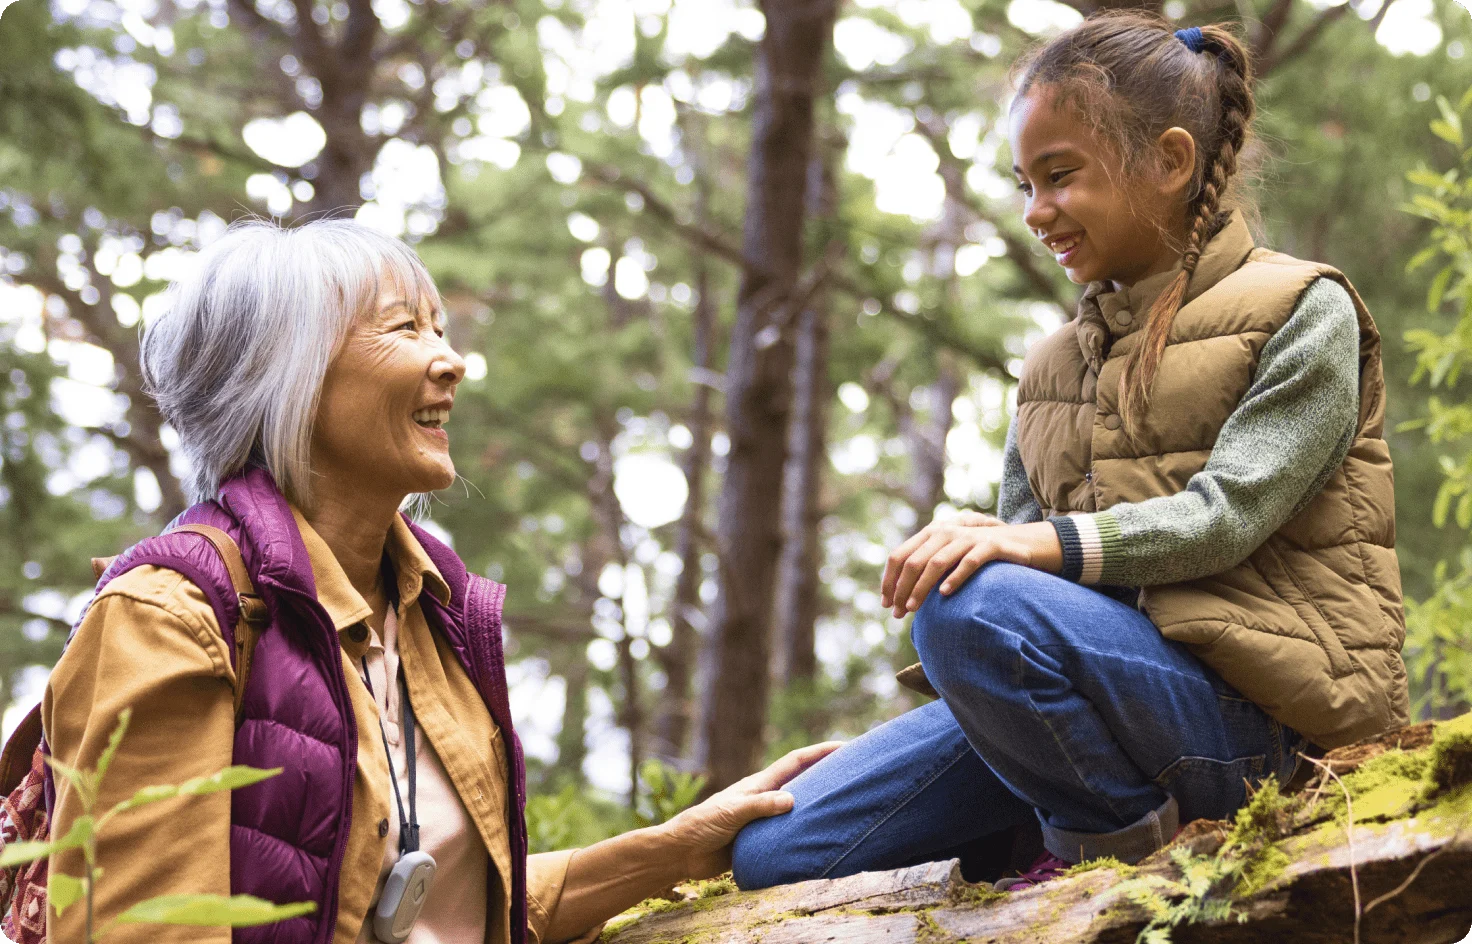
column 455, row 911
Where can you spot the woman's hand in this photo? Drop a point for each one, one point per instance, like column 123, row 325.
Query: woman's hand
column 965, row 543
column 703, row 833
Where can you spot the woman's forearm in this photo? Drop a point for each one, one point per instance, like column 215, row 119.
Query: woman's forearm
column 612, row 876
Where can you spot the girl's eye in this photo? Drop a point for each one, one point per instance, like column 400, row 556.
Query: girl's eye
column 1021, row 185
column 1058, row 175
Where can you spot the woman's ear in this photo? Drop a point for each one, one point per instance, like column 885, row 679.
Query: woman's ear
column 1178, row 160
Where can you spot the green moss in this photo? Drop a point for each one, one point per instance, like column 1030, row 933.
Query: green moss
column 715, row 887
column 1398, row 782
column 646, row 907
column 1450, row 760
column 979, row 894
column 1259, row 871
column 1103, row 862
column 1263, row 820
column 928, row 932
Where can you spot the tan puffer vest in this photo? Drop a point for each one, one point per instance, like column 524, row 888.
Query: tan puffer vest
column 1310, row 625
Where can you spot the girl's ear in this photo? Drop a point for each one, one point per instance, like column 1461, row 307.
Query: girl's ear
column 1177, row 160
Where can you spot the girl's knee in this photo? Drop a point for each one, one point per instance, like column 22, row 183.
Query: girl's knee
column 757, row 855
column 945, row 623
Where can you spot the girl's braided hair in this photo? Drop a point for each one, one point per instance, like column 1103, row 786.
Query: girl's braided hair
column 1127, row 75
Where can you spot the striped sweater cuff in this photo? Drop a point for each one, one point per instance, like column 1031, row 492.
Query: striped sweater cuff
column 1090, row 543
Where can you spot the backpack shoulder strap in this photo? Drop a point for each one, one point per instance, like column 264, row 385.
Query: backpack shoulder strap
column 16, row 759
column 247, row 632
column 252, row 607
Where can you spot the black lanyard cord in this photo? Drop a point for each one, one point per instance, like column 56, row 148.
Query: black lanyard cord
column 408, row 826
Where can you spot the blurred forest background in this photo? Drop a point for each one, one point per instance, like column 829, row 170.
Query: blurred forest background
column 743, row 289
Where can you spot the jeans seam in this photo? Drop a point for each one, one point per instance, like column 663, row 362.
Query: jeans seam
column 1062, row 749
column 903, row 801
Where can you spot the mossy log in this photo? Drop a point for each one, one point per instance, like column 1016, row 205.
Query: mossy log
column 1286, row 870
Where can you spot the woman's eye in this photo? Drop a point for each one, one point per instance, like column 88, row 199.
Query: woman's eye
column 1058, row 175
column 1024, row 188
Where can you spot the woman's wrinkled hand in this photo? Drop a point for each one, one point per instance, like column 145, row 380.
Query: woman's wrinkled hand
column 965, row 543
column 703, row 834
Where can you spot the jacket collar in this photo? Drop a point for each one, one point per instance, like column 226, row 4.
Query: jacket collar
column 277, row 550
column 345, row 606
column 1106, row 315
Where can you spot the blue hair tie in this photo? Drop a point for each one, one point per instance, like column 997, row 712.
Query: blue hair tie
column 1191, row 36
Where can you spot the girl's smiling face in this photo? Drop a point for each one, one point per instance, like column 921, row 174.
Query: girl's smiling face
column 1100, row 221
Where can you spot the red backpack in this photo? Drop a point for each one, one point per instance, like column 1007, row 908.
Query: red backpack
column 25, row 811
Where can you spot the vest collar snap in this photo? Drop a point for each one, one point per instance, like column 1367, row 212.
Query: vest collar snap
column 1124, row 311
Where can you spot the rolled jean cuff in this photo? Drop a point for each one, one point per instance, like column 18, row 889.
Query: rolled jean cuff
column 1129, row 845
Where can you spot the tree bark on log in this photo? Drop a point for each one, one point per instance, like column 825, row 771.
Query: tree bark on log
column 1401, row 875
column 789, row 61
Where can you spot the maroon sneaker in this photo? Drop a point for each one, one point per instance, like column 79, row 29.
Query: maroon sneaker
column 1045, row 869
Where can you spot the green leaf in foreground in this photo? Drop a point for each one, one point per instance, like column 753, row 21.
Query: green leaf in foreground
column 63, row 891
column 109, row 752
column 20, row 852
column 231, row 778
column 236, row 911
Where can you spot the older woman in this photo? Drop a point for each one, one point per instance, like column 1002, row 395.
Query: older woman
column 308, row 378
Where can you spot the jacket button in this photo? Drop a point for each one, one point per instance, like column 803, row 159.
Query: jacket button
column 358, row 633
column 382, row 828
column 1089, row 476
column 1111, row 421
column 1124, row 318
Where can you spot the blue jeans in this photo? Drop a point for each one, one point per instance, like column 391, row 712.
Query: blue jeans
column 1058, row 702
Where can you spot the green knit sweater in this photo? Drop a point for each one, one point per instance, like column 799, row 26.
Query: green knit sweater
column 1275, row 452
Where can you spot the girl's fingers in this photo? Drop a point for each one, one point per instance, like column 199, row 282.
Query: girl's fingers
column 968, row 565
column 938, row 564
column 914, row 566
column 896, row 563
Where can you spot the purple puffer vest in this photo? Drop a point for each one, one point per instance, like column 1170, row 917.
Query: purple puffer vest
column 288, row 834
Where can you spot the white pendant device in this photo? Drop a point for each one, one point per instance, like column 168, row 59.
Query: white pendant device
column 407, row 886
column 403, row 896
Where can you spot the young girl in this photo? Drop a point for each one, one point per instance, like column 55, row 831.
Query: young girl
column 1192, row 575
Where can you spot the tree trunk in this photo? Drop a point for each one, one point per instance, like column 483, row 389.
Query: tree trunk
column 571, row 749
column 342, row 61
column 676, row 711
column 759, row 383
column 927, row 440
column 798, row 588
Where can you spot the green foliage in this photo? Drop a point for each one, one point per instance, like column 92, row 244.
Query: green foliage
column 667, row 792
column 1200, row 894
column 572, row 816
column 1437, row 651
column 63, row 891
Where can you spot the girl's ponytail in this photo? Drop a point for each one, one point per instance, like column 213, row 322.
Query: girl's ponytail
column 1233, row 66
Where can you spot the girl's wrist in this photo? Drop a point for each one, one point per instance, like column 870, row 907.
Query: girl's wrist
column 1045, row 550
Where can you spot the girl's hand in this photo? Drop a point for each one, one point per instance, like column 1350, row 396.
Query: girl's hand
column 965, row 543
column 703, row 834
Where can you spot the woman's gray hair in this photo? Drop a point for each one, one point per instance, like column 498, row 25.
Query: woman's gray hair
column 236, row 362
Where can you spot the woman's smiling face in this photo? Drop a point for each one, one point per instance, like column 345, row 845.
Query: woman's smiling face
column 1100, row 222
column 387, row 396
